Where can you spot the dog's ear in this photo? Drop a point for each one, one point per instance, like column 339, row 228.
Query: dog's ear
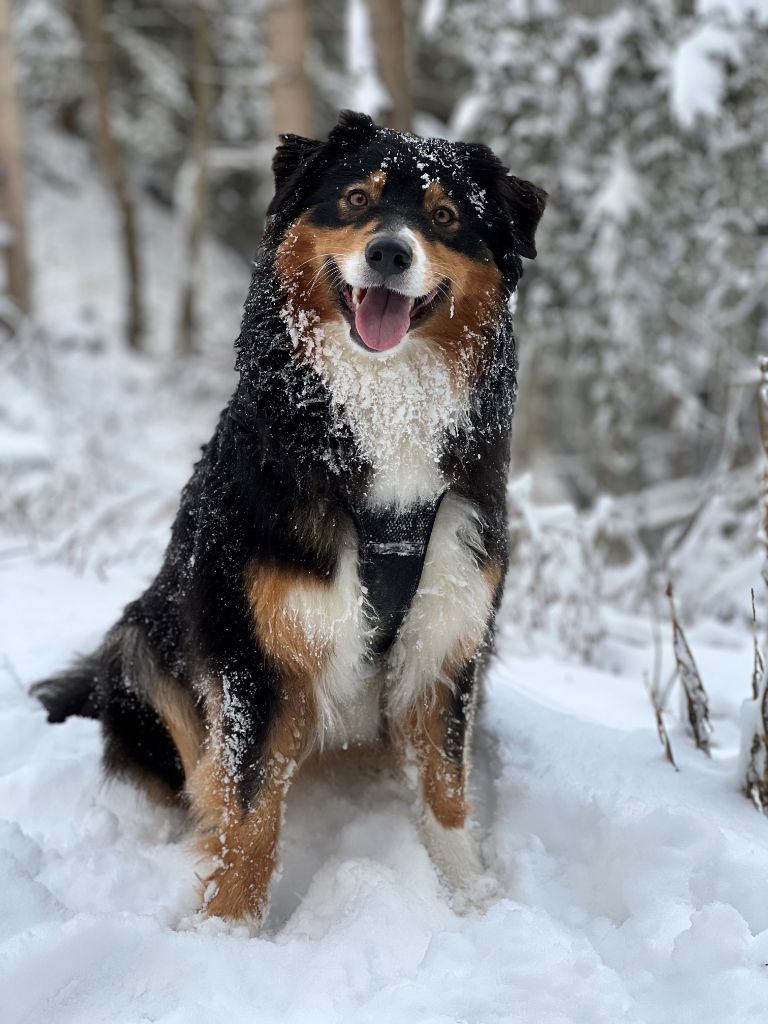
column 290, row 157
column 353, row 128
column 295, row 154
column 525, row 204
column 521, row 201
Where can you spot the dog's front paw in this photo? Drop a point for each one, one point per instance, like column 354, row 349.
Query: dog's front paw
column 480, row 893
column 453, row 851
column 202, row 924
column 230, row 897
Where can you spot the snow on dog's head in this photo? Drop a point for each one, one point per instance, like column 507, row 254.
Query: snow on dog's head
column 400, row 241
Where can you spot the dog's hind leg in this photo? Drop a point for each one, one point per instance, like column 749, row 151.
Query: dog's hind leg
column 439, row 733
column 152, row 727
column 237, row 793
column 151, row 724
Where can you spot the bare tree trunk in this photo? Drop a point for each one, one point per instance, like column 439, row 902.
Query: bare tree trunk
column 195, row 204
column 98, row 58
column 288, row 38
column 390, row 39
column 12, row 170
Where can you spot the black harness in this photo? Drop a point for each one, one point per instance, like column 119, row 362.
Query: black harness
column 393, row 545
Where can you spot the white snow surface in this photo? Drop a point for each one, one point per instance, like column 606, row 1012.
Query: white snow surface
column 616, row 889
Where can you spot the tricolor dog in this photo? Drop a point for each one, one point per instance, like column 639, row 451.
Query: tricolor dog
column 339, row 553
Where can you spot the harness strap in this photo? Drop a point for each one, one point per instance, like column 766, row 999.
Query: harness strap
column 393, row 546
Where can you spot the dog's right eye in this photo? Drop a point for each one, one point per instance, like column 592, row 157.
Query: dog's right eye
column 357, row 198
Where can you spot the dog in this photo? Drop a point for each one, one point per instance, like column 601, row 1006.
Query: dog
column 339, row 553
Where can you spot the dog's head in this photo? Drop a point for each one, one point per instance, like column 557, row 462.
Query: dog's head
column 400, row 239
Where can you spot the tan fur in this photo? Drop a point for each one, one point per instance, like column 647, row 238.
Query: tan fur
column 493, row 572
column 176, row 708
column 463, row 326
column 373, row 186
column 281, row 630
column 244, row 843
column 443, row 781
column 304, row 266
column 466, row 646
column 435, row 196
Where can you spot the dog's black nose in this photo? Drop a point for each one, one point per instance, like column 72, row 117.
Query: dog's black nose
column 388, row 254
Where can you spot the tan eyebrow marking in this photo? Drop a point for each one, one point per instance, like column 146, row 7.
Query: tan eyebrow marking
column 435, row 195
column 372, row 185
column 376, row 182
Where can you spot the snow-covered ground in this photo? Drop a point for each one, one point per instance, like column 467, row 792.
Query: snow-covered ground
column 623, row 890
column 617, row 889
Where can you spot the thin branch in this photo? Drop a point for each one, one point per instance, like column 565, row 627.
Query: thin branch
column 695, row 694
column 758, row 667
column 756, row 775
column 657, row 700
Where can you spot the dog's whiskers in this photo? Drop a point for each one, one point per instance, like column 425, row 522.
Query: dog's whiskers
column 329, row 272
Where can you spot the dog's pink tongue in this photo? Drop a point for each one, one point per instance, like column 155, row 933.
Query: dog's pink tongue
column 382, row 318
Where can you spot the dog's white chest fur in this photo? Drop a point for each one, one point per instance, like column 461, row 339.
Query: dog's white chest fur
column 398, row 407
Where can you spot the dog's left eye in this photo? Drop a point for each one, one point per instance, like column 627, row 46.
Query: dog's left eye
column 357, row 198
column 443, row 215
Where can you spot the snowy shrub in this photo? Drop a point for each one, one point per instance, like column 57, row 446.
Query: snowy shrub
column 555, row 579
column 96, row 445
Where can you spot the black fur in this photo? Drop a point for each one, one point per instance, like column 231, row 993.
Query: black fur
column 71, row 693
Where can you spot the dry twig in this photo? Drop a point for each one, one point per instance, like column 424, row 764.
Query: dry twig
column 756, row 775
column 657, row 700
column 758, row 667
column 695, row 694
column 658, row 697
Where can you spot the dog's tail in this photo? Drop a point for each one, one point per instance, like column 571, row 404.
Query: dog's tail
column 143, row 710
column 74, row 692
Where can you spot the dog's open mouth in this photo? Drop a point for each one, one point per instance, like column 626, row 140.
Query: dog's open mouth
column 381, row 318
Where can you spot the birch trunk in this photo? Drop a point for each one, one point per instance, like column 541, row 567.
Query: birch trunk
column 390, row 40
column 288, row 38
column 98, row 59
column 12, row 171
column 195, row 204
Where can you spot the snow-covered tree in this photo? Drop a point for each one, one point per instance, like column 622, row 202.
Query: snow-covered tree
column 646, row 292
